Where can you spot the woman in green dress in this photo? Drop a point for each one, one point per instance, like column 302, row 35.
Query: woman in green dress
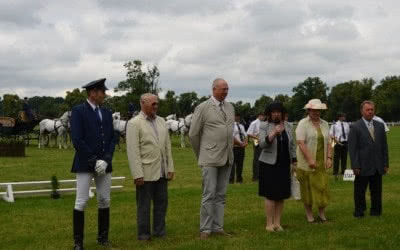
column 314, row 156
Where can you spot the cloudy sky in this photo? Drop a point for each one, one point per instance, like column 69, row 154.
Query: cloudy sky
column 259, row 47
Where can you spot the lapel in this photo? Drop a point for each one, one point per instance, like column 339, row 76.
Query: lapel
column 92, row 114
column 217, row 109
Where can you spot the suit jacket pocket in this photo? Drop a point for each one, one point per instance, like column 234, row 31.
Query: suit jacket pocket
column 267, row 150
column 211, row 146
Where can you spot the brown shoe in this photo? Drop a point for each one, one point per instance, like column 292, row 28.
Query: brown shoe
column 223, row 233
column 204, row 235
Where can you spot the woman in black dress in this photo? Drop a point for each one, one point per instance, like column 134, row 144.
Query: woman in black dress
column 278, row 153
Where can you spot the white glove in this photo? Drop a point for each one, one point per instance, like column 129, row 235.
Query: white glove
column 101, row 167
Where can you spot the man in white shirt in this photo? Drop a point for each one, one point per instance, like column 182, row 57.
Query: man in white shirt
column 378, row 119
column 253, row 132
column 239, row 145
column 339, row 132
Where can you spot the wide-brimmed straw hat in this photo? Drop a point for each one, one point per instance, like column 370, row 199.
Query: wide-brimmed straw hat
column 315, row 104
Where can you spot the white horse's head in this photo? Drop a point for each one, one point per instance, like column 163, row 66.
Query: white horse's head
column 188, row 120
column 116, row 116
column 65, row 119
column 171, row 117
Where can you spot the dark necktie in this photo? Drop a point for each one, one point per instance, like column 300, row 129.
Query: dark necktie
column 96, row 110
column 343, row 133
column 240, row 132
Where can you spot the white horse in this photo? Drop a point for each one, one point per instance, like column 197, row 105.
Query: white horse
column 118, row 124
column 58, row 128
column 171, row 117
column 181, row 126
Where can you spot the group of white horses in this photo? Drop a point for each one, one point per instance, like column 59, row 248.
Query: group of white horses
column 180, row 126
column 59, row 128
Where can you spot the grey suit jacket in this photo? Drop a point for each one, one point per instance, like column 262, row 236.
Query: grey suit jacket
column 365, row 153
column 269, row 150
column 211, row 136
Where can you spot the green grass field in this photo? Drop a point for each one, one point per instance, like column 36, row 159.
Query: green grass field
column 42, row 223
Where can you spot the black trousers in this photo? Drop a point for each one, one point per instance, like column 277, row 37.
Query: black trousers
column 156, row 191
column 238, row 158
column 256, row 155
column 375, row 188
column 340, row 156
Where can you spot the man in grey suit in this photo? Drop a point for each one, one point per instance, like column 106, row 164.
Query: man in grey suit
column 368, row 151
column 211, row 135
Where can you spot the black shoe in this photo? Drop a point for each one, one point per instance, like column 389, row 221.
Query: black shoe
column 103, row 226
column 78, row 226
column 358, row 215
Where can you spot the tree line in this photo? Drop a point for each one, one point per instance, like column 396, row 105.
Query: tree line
column 344, row 97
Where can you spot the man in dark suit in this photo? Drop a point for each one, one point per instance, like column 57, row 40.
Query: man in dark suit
column 93, row 138
column 368, row 151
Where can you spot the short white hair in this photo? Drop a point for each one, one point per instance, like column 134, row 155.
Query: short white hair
column 144, row 97
column 216, row 81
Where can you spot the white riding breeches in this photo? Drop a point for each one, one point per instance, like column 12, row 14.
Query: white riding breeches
column 103, row 187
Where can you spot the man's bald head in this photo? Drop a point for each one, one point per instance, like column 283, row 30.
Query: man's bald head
column 149, row 104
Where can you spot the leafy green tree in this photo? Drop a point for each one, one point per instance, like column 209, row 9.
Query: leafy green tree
column 1, row 107
column 244, row 109
column 310, row 88
column 346, row 97
column 187, row 103
column 282, row 98
column 261, row 104
column 117, row 104
column 11, row 105
column 387, row 98
column 168, row 105
column 75, row 97
column 139, row 82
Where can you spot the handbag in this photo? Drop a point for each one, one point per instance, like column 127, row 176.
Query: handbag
column 295, row 187
column 349, row 175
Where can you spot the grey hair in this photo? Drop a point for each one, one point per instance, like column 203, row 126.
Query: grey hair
column 366, row 102
column 145, row 97
column 215, row 82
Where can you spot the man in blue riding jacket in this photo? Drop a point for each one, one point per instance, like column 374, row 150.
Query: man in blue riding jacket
column 93, row 138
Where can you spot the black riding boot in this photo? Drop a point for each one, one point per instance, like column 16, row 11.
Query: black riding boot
column 103, row 225
column 79, row 222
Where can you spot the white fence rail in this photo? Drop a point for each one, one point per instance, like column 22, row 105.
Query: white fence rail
column 8, row 195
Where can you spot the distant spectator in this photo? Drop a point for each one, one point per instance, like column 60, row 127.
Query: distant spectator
column 339, row 132
column 378, row 119
column 253, row 132
column 131, row 110
column 28, row 110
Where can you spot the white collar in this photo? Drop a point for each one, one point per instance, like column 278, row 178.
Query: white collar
column 92, row 105
column 216, row 101
column 368, row 123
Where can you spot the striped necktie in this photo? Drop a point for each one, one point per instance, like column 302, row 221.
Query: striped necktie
column 371, row 130
column 222, row 110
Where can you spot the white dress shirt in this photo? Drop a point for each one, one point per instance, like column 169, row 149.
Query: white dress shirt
column 337, row 132
column 236, row 132
column 94, row 108
column 378, row 119
column 254, row 128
